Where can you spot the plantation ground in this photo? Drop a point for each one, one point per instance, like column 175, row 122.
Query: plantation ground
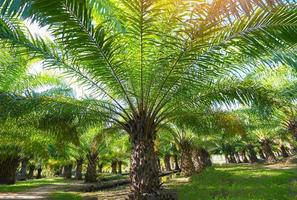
column 233, row 182
column 242, row 183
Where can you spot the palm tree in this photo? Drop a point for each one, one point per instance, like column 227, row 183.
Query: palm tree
column 20, row 134
column 9, row 163
column 153, row 57
column 201, row 130
column 184, row 139
column 118, row 151
column 96, row 143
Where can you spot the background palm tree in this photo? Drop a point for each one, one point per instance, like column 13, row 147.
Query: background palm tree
column 20, row 135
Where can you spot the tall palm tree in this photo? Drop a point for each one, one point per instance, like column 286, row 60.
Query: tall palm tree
column 152, row 57
column 95, row 145
column 20, row 135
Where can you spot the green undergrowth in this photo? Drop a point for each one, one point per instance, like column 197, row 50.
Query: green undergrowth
column 111, row 177
column 21, row 186
column 64, row 196
column 243, row 182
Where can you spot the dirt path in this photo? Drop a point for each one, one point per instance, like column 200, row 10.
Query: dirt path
column 42, row 192
column 288, row 163
column 120, row 193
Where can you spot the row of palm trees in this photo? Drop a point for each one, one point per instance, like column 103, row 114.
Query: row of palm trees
column 147, row 64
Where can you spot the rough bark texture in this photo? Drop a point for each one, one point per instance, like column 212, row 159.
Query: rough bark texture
column 284, row 151
column 293, row 150
column 145, row 183
column 114, row 166
column 8, row 169
column 23, row 172
column 167, row 162
column 204, row 158
column 176, row 166
column 39, row 170
column 78, row 170
column 252, row 154
column 31, row 171
column 144, row 173
column 243, row 156
column 238, row 160
column 67, row 171
column 231, row 158
column 91, row 174
column 261, row 154
column 292, row 127
column 270, row 157
column 120, row 163
column 187, row 165
column 196, row 160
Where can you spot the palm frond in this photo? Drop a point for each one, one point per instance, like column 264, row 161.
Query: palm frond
column 90, row 46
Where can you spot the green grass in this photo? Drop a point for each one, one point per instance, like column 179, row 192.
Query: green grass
column 21, row 186
column 241, row 183
column 110, row 177
column 64, row 195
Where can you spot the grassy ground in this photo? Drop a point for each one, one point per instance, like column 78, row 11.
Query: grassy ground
column 241, row 183
column 64, row 196
column 21, row 186
column 237, row 182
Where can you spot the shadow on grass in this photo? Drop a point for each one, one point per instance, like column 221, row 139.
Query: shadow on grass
column 241, row 183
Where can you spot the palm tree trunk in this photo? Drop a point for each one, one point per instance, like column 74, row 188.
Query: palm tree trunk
column 114, row 166
column 196, row 160
column 187, row 165
column 284, row 151
column 60, row 171
column 293, row 150
column 243, row 156
column 91, row 174
column 227, row 158
column 270, row 157
column 176, row 166
column 120, row 163
column 167, row 162
column 252, row 154
column 237, row 158
column 205, row 158
column 23, row 172
column 145, row 183
column 39, row 170
column 8, row 169
column 294, row 132
column 232, row 158
column 31, row 171
column 261, row 154
column 67, row 171
column 78, row 170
